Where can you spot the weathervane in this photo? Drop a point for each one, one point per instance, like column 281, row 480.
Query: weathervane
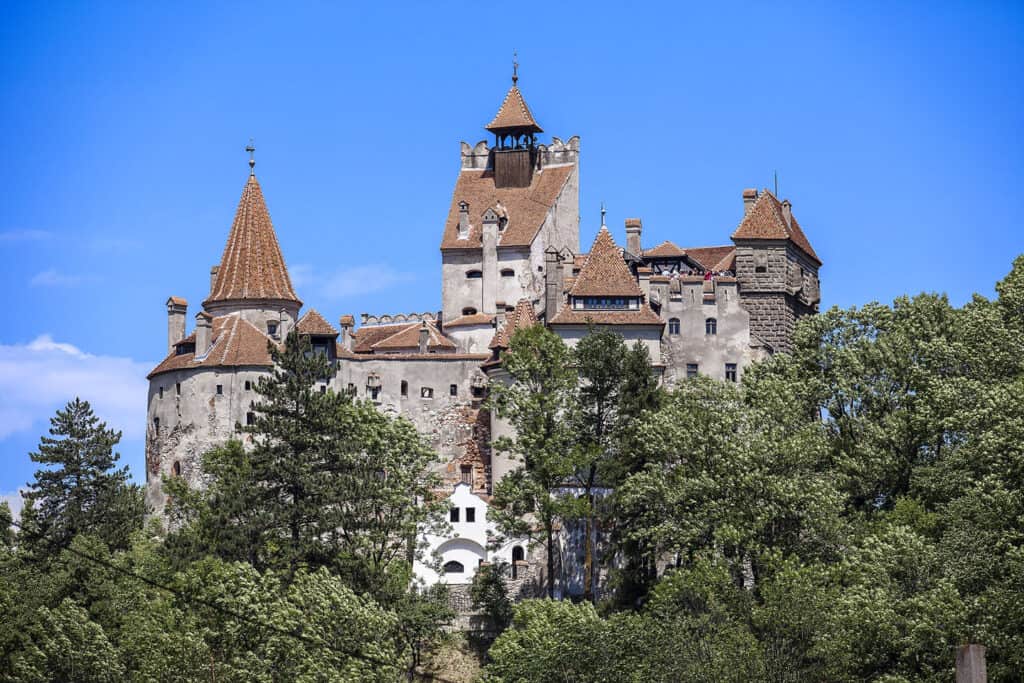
column 515, row 67
column 251, row 149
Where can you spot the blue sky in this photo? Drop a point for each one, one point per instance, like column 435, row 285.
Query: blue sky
column 895, row 129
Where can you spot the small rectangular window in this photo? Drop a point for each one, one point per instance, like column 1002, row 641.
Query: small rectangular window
column 177, row 389
column 250, row 419
column 323, row 388
column 454, row 390
column 272, row 329
column 691, row 370
column 730, row 372
column 466, row 474
column 426, row 392
column 220, row 389
column 470, row 514
column 375, row 393
column 156, row 425
column 405, row 388
column 248, row 385
column 161, row 392
column 453, row 514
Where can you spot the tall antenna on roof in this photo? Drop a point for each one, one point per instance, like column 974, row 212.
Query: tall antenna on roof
column 251, row 149
column 515, row 67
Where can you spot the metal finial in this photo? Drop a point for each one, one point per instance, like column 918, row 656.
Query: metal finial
column 515, row 67
column 251, row 149
column 603, row 212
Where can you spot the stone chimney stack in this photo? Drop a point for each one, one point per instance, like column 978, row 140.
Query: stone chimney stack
column 424, row 337
column 489, row 263
column 204, row 333
column 644, row 276
column 787, row 213
column 463, row 220
column 213, row 278
column 552, row 282
column 749, row 197
column 347, row 324
column 633, row 229
column 176, row 309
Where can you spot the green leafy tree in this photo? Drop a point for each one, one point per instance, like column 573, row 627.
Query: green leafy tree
column 489, row 594
column 79, row 489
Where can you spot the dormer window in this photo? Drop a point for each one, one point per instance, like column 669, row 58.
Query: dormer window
column 474, row 274
column 606, row 303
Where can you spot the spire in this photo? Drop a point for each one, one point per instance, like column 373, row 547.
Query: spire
column 251, row 149
column 252, row 266
column 514, row 117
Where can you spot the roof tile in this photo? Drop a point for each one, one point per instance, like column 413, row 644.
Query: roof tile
column 765, row 220
column 605, row 273
column 313, row 323
column 513, row 114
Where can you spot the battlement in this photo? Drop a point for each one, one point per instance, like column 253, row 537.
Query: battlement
column 397, row 318
column 480, row 156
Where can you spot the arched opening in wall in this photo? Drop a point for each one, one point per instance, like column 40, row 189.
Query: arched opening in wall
column 176, row 469
column 453, row 567
column 468, row 310
column 673, row 326
column 405, row 388
column 474, row 274
column 518, row 555
column 710, row 326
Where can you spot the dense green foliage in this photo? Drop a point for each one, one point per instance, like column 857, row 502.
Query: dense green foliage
column 854, row 511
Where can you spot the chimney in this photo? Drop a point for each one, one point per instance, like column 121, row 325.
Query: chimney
column 787, row 213
column 552, row 282
column 204, row 333
column 347, row 323
column 176, row 309
column 463, row 220
column 213, row 278
column 644, row 276
column 749, row 197
column 633, row 228
column 424, row 337
column 489, row 263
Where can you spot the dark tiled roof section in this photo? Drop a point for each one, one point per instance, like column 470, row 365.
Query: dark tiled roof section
column 235, row 343
column 708, row 257
column 765, row 221
column 643, row 316
column 605, row 273
column 252, row 266
column 665, row 249
column 523, row 316
column 513, row 113
column 527, row 207
column 313, row 323
column 467, row 320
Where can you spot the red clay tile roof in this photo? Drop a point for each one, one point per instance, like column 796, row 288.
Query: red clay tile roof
column 728, row 262
column 252, row 266
column 347, row 321
column 313, row 323
column 398, row 336
column 467, row 320
column 605, row 273
column 236, row 342
column 765, row 221
column 644, row 316
column 365, row 337
column 523, row 316
column 708, row 257
column 665, row 249
column 513, row 114
column 177, row 301
column 527, row 207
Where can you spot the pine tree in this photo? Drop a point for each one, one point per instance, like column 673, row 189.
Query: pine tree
column 79, row 488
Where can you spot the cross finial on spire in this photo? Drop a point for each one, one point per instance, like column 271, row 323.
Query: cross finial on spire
column 251, row 149
column 515, row 67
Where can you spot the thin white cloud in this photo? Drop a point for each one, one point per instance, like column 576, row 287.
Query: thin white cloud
column 301, row 274
column 39, row 377
column 361, row 280
column 15, row 501
column 55, row 278
column 24, row 235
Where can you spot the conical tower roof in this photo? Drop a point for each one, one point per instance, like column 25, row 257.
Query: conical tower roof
column 252, row 266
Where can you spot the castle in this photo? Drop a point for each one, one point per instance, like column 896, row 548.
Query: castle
column 510, row 258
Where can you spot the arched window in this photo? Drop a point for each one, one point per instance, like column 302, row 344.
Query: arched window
column 710, row 326
column 508, row 272
column 468, row 310
column 176, row 469
column 453, row 567
column 474, row 274
column 518, row 555
column 673, row 325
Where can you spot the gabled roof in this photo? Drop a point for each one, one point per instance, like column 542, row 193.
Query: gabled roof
column 235, row 342
column 766, row 221
column 665, row 249
column 527, row 207
column 643, row 316
column 252, row 266
column 313, row 323
column 409, row 338
column 514, row 115
column 708, row 257
column 522, row 317
column 468, row 320
column 605, row 273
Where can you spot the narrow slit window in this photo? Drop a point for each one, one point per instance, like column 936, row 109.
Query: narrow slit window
column 453, row 390
column 405, row 388
column 220, row 389
column 250, row 418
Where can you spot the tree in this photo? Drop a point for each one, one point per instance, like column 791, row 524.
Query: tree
column 537, row 402
column 79, row 490
column 489, row 594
